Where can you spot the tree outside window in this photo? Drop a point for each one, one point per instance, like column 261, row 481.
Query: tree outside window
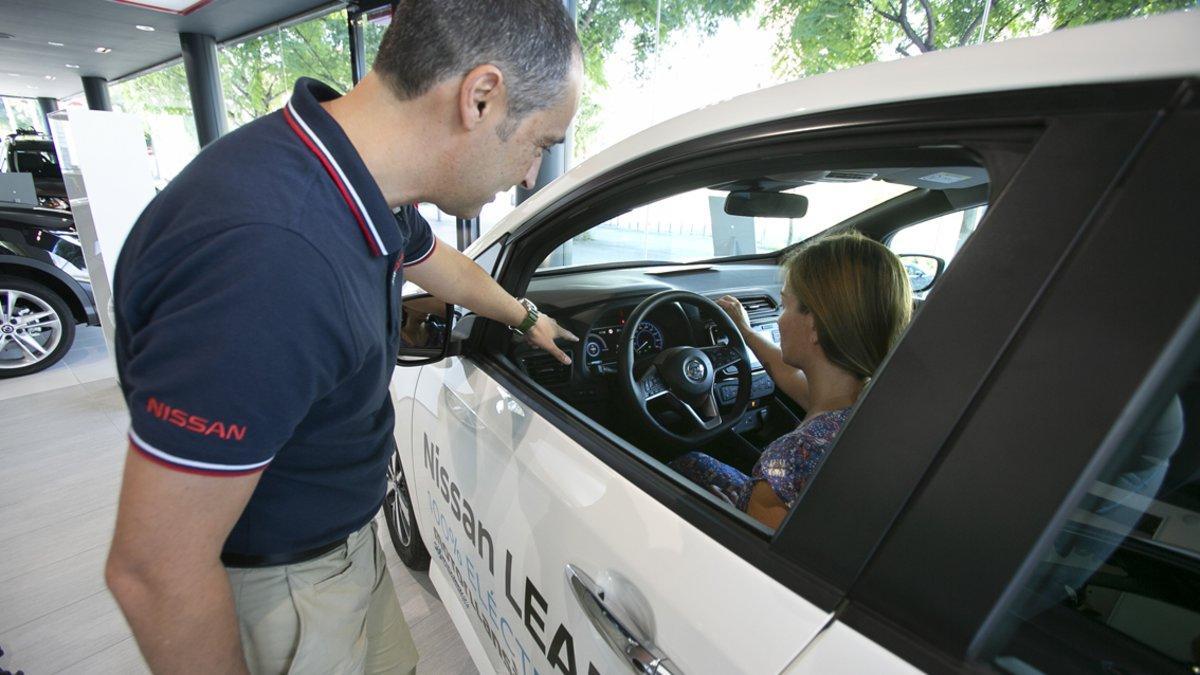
column 257, row 75
column 19, row 113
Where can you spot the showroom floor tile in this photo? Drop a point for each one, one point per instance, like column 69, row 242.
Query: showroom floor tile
column 61, row 449
column 87, row 361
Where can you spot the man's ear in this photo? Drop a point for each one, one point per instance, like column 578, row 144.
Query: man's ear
column 481, row 95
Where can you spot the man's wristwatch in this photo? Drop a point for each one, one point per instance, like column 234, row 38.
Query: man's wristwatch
column 531, row 317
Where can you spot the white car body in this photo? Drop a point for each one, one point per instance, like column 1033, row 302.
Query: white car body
column 479, row 459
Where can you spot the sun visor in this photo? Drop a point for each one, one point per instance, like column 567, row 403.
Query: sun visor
column 937, row 178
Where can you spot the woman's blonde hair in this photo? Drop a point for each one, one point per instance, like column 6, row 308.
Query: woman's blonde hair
column 859, row 295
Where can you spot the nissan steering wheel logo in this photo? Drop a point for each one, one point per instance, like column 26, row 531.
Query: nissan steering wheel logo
column 695, row 370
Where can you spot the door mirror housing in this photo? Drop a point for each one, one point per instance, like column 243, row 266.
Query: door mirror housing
column 762, row 204
column 922, row 270
column 429, row 331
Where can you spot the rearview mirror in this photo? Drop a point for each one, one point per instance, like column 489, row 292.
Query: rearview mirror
column 752, row 204
column 922, row 270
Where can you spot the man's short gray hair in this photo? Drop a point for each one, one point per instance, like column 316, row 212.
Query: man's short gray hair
column 533, row 42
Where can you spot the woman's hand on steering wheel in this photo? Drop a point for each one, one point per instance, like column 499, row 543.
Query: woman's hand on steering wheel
column 733, row 307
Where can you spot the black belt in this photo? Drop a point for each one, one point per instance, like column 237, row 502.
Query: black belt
column 275, row 559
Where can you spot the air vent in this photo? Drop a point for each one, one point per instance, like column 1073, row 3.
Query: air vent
column 758, row 306
column 546, row 370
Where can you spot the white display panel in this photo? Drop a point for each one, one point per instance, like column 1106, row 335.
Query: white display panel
column 108, row 180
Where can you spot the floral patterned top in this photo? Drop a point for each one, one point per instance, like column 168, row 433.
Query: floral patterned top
column 791, row 460
column 787, row 464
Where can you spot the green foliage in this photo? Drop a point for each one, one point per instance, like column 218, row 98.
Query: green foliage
column 162, row 92
column 811, row 36
column 816, row 36
column 257, row 75
column 602, row 23
column 19, row 113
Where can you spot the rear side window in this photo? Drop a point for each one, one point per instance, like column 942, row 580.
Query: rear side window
column 1119, row 591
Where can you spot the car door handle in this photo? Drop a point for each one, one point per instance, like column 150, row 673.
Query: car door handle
column 625, row 638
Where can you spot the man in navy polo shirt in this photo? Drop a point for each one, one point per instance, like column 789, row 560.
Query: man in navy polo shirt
column 258, row 319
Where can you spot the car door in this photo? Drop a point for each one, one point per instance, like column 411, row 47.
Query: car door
column 558, row 548
column 548, row 535
column 544, row 548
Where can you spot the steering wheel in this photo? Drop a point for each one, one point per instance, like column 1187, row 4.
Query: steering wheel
column 684, row 376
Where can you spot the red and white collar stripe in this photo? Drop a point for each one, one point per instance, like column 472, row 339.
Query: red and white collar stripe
column 301, row 128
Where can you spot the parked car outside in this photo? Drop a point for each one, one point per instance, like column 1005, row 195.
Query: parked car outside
column 45, row 290
column 27, row 151
column 1017, row 489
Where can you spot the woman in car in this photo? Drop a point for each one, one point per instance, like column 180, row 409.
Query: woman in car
column 846, row 299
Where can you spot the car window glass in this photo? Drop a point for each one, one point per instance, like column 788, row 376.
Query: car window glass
column 752, row 451
column 941, row 237
column 1119, row 590
column 694, row 225
column 40, row 163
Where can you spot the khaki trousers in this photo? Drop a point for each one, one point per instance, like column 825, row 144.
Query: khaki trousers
column 334, row 614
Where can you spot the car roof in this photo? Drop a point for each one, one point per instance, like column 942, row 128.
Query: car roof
column 1149, row 48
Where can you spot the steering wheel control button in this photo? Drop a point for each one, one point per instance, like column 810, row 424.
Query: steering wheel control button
column 652, row 386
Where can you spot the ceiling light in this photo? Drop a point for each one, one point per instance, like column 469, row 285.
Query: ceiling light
column 102, row 50
column 176, row 7
column 148, row 29
column 15, row 74
column 49, row 77
column 70, row 65
column 54, row 44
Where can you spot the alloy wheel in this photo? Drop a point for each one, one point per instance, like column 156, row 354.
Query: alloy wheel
column 30, row 329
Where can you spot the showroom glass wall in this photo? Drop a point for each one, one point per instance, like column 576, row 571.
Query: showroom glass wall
column 257, row 74
column 20, row 113
column 645, row 61
column 160, row 98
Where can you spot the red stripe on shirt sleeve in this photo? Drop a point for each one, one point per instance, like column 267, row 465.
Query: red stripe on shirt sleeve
column 192, row 470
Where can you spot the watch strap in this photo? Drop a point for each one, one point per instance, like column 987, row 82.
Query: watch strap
column 531, row 317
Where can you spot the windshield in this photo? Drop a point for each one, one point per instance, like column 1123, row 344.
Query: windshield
column 693, row 226
column 37, row 159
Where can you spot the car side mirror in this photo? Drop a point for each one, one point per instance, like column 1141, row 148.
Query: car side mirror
column 428, row 331
column 752, row 203
column 922, row 270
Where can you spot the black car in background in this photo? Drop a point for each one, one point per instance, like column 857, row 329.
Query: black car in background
column 30, row 152
column 44, row 288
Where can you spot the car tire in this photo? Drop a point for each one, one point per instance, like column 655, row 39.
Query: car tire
column 21, row 297
column 401, row 519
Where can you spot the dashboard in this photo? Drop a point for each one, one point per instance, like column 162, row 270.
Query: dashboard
column 667, row 327
column 596, row 304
